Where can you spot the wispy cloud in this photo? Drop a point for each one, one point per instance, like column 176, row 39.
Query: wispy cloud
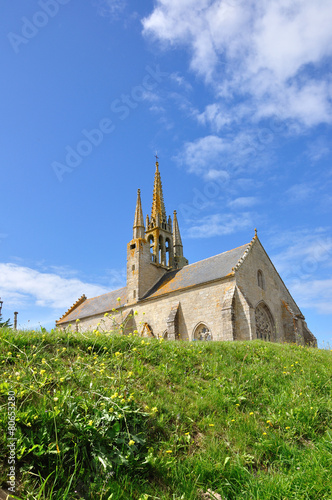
column 110, row 8
column 299, row 193
column 219, row 224
column 243, row 202
column 265, row 51
column 242, row 152
column 314, row 294
column 21, row 285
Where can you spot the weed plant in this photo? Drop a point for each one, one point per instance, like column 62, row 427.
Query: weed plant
column 102, row 416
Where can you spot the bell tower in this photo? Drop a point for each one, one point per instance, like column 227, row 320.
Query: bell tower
column 159, row 227
column 155, row 248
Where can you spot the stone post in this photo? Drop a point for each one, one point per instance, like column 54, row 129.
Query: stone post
column 15, row 320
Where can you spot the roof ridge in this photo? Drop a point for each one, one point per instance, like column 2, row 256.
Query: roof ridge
column 212, row 257
column 71, row 309
column 246, row 252
column 111, row 291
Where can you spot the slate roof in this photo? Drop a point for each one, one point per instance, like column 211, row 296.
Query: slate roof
column 97, row 305
column 206, row 270
column 210, row 269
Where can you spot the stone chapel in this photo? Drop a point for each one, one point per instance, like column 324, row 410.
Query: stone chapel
column 236, row 295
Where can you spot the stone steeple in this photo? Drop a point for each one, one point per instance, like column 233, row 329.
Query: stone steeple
column 159, row 228
column 179, row 260
column 139, row 229
column 177, row 242
column 158, row 206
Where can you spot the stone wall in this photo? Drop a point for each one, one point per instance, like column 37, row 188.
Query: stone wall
column 201, row 304
column 285, row 312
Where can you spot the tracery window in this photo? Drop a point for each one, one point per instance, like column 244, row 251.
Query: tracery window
column 264, row 323
column 202, row 333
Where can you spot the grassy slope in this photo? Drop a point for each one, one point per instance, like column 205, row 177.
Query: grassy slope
column 121, row 417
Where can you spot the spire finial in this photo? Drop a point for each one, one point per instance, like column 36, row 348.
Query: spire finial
column 255, row 233
column 157, row 158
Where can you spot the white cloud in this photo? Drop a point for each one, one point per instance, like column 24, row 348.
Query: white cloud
column 110, row 7
column 210, row 154
column 267, row 51
column 180, row 81
column 219, row 224
column 318, row 149
column 21, row 285
column 202, row 153
column 243, row 202
column 299, row 193
column 314, row 294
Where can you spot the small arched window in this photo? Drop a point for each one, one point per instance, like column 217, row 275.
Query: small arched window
column 168, row 246
column 260, row 279
column 151, row 243
column 202, row 333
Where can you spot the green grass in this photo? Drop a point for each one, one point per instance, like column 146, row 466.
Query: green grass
column 103, row 416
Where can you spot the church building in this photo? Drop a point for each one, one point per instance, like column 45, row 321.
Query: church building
column 235, row 295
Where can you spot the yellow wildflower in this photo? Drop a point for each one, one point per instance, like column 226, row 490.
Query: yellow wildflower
column 131, row 442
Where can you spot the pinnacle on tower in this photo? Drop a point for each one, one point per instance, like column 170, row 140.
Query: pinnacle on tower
column 158, row 206
column 139, row 229
column 179, row 260
column 177, row 242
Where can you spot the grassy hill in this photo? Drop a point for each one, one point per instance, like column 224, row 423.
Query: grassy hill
column 103, row 416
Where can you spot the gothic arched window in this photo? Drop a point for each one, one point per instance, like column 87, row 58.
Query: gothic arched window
column 168, row 247
column 260, row 279
column 151, row 243
column 161, row 254
column 265, row 328
column 202, row 332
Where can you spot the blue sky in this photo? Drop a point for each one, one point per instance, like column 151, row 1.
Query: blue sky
column 236, row 97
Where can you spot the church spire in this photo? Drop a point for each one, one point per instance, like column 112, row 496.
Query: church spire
column 139, row 229
column 179, row 259
column 177, row 242
column 158, row 206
